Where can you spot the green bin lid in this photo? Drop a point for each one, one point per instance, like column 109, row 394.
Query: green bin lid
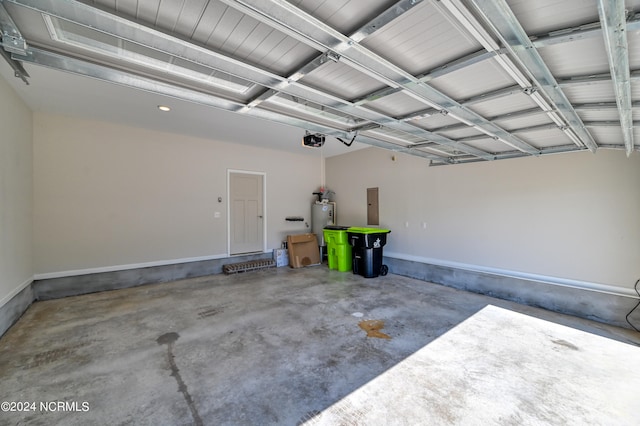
column 358, row 230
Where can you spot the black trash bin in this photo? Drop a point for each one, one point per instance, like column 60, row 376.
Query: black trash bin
column 366, row 252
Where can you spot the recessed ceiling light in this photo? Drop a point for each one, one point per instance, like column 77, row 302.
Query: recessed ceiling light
column 164, row 108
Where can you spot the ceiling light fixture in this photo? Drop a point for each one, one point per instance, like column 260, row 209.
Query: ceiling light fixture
column 164, row 108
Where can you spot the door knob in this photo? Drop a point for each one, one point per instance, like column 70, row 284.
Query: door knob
column 260, row 216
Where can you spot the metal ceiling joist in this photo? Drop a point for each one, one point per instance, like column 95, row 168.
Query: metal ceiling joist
column 120, row 27
column 382, row 120
column 458, row 64
column 477, row 31
column 517, row 114
column 385, row 17
column 361, row 33
column 603, row 106
column 566, row 35
column 378, row 94
column 612, row 16
column 554, row 150
column 535, row 128
column 484, row 97
column 12, row 39
column 540, row 127
column 76, row 66
column 509, row 116
column 470, row 23
column 307, row 68
column 504, row 24
column 599, row 106
column 604, row 123
column 398, row 9
column 585, row 80
column 289, row 86
column 488, row 96
column 566, row 82
column 583, row 32
column 100, row 72
column 620, row 147
column 97, row 19
column 286, row 17
column 455, row 65
column 508, row 91
column 18, row 69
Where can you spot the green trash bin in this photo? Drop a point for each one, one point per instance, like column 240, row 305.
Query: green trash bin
column 338, row 248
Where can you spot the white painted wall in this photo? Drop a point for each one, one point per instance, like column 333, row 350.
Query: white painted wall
column 109, row 195
column 572, row 216
column 16, row 193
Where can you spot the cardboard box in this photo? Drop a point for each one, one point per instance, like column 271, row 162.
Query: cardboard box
column 281, row 256
column 303, row 250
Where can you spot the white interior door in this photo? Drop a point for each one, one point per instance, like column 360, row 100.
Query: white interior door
column 246, row 215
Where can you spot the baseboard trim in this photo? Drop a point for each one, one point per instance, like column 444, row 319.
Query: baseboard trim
column 563, row 282
column 15, row 304
column 15, row 291
column 75, row 283
column 115, row 268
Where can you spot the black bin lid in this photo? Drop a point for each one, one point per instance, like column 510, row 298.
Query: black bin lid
column 337, row 228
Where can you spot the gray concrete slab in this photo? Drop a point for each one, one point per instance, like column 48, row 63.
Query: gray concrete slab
column 284, row 346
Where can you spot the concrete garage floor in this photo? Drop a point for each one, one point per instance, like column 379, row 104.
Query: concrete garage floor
column 285, row 347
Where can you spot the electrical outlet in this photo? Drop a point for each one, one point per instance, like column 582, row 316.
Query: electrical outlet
column 216, row 215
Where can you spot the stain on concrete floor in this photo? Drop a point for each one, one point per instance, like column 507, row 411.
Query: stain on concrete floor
column 169, row 339
column 373, row 327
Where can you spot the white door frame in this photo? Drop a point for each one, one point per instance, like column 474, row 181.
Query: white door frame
column 264, row 207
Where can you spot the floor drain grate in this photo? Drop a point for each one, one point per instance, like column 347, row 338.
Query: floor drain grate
column 234, row 268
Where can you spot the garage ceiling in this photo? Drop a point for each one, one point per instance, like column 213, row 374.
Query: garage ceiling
column 453, row 81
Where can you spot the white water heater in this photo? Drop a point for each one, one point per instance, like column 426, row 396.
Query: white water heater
column 322, row 214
